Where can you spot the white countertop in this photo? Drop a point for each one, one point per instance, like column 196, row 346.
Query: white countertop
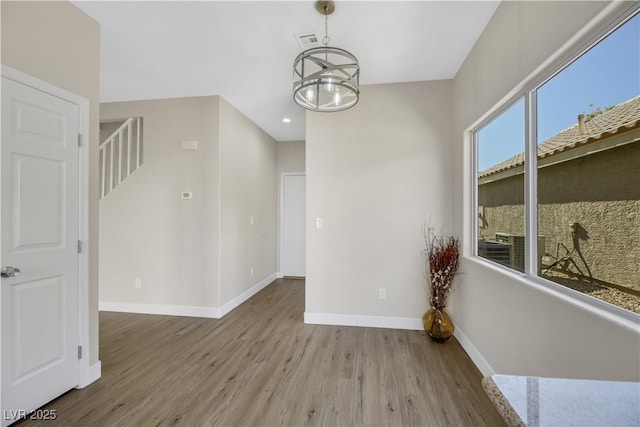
column 564, row 402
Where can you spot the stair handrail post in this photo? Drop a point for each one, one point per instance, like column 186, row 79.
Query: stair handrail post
column 138, row 140
column 120, row 137
column 107, row 146
column 129, row 137
column 103, row 172
column 111, row 166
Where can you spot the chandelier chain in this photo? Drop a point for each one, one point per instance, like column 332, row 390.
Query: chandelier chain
column 326, row 38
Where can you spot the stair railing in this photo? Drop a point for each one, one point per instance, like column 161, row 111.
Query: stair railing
column 120, row 155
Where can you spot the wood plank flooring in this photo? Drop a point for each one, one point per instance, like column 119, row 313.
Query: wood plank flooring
column 261, row 365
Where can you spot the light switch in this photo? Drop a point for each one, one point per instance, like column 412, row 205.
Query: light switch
column 319, row 223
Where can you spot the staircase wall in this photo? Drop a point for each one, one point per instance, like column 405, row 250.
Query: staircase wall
column 108, row 128
column 193, row 257
column 148, row 232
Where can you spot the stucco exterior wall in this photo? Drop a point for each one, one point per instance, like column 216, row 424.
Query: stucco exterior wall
column 501, row 207
column 600, row 192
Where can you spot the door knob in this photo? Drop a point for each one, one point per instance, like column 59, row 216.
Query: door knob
column 9, row 271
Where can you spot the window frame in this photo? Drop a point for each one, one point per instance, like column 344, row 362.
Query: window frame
column 607, row 22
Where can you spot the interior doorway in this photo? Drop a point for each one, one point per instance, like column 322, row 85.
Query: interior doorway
column 293, row 240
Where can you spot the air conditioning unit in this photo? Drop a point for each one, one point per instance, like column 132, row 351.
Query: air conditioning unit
column 495, row 251
column 517, row 253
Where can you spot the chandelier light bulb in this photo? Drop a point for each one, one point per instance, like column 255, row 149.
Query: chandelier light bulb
column 329, row 85
column 337, row 98
column 310, row 95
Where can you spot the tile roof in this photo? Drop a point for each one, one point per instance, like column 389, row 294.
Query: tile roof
column 624, row 116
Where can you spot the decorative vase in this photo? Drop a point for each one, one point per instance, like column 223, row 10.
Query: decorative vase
column 437, row 324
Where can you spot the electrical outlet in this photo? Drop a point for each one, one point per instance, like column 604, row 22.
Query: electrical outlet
column 382, row 293
column 138, row 283
column 251, row 271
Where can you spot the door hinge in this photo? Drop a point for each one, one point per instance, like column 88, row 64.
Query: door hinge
column 79, row 140
column 79, row 352
column 79, row 246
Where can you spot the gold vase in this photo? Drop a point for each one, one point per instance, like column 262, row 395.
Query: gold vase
column 437, row 324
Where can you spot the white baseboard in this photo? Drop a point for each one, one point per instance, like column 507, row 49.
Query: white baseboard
column 473, row 353
column 90, row 374
column 186, row 310
column 228, row 306
column 365, row 321
column 279, row 275
column 164, row 309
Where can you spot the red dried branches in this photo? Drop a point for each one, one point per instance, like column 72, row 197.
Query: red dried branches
column 442, row 254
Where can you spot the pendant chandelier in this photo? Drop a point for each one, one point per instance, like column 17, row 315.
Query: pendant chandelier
column 326, row 78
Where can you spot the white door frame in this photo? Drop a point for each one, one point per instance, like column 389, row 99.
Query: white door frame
column 281, row 251
column 88, row 374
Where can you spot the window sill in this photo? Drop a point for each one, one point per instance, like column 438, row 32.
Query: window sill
column 624, row 318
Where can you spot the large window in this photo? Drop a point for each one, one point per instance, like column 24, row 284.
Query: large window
column 500, row 194
column 578, row 192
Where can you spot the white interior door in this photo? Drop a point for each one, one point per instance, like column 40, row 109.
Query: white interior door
column 39, row 220
column 294, row 255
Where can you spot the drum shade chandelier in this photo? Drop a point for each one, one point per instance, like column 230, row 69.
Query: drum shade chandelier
column 326, row 78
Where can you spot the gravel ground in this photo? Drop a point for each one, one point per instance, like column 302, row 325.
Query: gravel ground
column 611, row 295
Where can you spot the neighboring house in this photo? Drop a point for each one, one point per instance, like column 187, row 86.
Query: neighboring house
column 588, row 187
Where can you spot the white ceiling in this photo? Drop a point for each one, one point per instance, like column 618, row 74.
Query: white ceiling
column 244, row 50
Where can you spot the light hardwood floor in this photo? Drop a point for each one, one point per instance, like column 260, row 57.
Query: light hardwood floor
column 261, row 365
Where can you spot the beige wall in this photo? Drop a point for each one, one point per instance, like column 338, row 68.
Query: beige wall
column 190, row 253
column 108, row 128
column 58, row 43
column 291, row 158
column 247, row 190
column 147, row 231
column 374, row 173
column 518, row 328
